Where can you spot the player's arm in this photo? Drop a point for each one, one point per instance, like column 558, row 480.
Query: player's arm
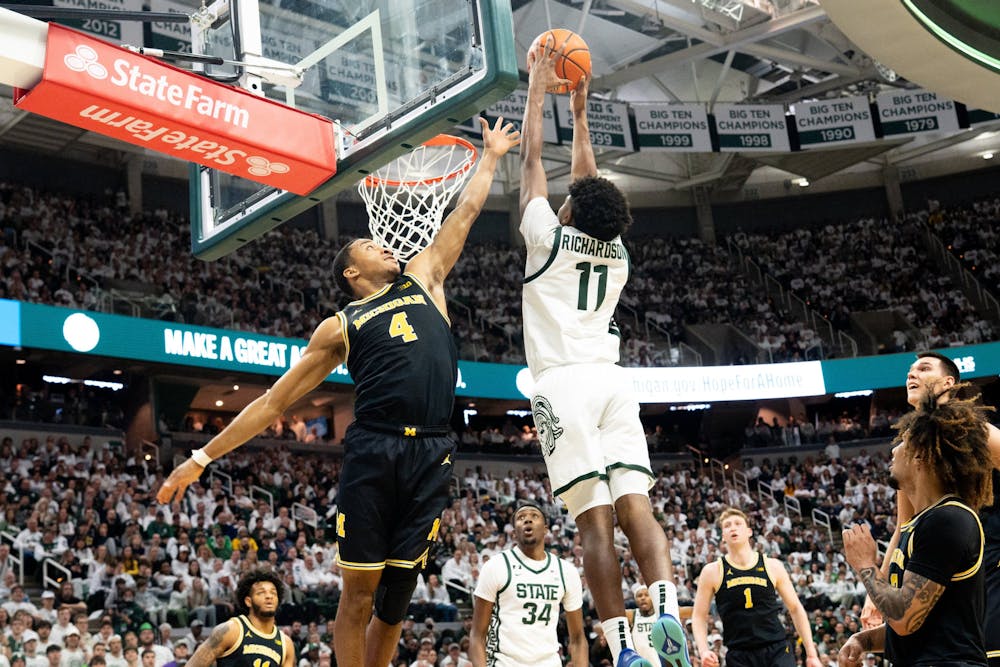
column 288, row 659
column 579, row 651
column 708, row 584
column 783, row 584
column 905, row 608
column 866, row 641
column 326, row 351
column 583, row 162
column 482, row 610
column 541, row 77
column 434, row 263
column 871, row 617
column 224, row 637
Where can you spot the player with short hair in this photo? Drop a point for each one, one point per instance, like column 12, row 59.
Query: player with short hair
column 933, row 597
column 746, row 586
column 642, row 619
column 517, row 599
column 396, row 339
column 253, row 638
column 587, row 418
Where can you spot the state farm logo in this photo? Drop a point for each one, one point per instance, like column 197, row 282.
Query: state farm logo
column 261, row 166
column 84, row 59
column 165, row 86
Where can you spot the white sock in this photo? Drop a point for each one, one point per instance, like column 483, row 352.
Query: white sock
column 617, row 633
column 664, row 595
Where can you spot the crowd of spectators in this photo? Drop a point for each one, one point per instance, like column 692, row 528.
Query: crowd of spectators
column 825, row 427
column 51, row 254
column 824, row 268
column 970, row 232
column 145, row 575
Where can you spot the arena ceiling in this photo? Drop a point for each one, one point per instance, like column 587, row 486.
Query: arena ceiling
column 703, row 51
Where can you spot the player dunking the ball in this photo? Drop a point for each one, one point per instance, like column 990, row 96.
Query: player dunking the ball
column 251, row 639
column 397, row 341
column 587, row 420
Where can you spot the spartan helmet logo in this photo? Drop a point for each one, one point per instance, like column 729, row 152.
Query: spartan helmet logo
column 546, row 423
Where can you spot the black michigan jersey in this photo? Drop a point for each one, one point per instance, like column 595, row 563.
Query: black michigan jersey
column 401, row 355
column 943, row 543
column 255, row 649
column 748, row 606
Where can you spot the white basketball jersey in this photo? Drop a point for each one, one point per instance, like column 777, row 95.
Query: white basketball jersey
column 572, row 283
column 642, row 636
column 526, row 595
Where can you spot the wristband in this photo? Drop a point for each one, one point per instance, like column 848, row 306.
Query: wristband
column 200, row 457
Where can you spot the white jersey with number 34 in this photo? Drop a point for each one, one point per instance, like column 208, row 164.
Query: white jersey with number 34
column 526, row 596
column 572, row 283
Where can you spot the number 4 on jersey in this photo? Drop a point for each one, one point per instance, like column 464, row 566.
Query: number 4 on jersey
column 400, row 327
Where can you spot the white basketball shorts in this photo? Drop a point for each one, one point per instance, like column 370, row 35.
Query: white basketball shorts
column 590, row 434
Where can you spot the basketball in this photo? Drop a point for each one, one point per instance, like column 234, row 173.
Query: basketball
column 574, row 62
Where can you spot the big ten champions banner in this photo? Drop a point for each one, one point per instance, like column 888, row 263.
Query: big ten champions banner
column 512, row 109
column 834, row 122
column 609, row 124
column 172, row 36
column 915, row 111
column 109, row 29
column 751, row 127
column 673, row 127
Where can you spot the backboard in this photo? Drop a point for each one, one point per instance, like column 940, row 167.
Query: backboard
column 390, row 73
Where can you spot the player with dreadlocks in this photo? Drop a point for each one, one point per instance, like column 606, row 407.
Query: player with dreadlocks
column 933, row 598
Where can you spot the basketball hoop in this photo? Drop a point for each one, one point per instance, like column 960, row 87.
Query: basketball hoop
column 407, row 197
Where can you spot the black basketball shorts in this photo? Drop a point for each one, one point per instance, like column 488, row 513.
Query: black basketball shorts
column 778, row 654
column 393, row 489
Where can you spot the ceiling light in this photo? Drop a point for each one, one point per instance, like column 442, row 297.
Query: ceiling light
column 802, row 182
column 117, row 371
column 987, row 156
column 236, row 387
column 21, row 362
column 219, row 403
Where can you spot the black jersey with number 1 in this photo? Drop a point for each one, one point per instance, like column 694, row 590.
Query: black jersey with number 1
column 401, row 355
column 943, row 543
column 748, row 605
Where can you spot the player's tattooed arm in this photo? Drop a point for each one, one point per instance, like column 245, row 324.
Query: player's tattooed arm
column 223, row 637
column 905, row 608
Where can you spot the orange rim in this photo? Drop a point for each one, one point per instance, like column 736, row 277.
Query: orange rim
column 371, row 180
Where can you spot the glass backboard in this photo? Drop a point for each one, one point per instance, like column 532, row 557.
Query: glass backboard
column 390, row 73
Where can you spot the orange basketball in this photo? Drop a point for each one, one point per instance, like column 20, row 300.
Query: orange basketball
column 575, row 60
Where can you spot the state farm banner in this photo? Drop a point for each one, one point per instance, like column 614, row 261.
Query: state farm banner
column 108, row 90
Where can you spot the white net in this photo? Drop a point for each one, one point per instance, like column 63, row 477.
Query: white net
column 407, row 197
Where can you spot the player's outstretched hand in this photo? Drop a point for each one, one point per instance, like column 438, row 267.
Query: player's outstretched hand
column 500, row 138
column 180, row 479
column 871, row 617
column 814, row 662
column 860, row 549
column 542, row 69
column 710, row 659
column 578, row 96
column 851, row 653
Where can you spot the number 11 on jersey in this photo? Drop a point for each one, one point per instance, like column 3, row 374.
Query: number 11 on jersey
column 583, row 297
